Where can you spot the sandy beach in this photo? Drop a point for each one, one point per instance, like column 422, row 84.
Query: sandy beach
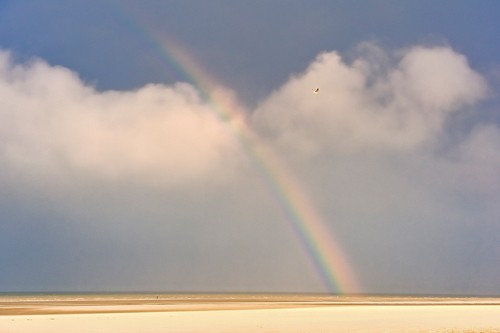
column 247, row 314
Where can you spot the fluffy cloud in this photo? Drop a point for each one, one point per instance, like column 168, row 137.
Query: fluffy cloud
column 54, row 123
column 380, row 100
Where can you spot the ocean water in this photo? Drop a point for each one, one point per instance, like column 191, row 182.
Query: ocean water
column 212, row 298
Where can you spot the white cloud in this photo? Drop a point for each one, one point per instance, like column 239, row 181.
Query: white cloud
column 395, row 101
column 53, row 122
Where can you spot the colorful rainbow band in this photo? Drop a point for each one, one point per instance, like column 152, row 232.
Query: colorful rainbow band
column 322, row 249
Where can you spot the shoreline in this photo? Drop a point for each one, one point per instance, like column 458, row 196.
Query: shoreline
column 248, row 313
column 130, row 303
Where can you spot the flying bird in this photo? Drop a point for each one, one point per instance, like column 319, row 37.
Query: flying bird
column 316, row 91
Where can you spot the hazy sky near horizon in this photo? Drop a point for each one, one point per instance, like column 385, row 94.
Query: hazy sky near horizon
column 117, row 173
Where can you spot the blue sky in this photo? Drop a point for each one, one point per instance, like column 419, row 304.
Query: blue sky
column 117, row 176
column 254, row 46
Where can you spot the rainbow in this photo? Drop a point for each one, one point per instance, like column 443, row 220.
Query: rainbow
column 323, row 250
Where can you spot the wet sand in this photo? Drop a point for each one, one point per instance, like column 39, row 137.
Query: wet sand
column 247, row 313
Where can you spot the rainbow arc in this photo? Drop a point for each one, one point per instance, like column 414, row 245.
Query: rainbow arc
column 316, row 239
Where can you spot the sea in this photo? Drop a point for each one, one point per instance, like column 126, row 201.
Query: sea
column 213, row 298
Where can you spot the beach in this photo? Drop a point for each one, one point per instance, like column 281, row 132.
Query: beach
column 246, row 313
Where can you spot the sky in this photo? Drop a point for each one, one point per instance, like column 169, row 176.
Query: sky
column 178, row 146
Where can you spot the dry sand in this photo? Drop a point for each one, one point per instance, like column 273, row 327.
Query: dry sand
column 244, row 315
